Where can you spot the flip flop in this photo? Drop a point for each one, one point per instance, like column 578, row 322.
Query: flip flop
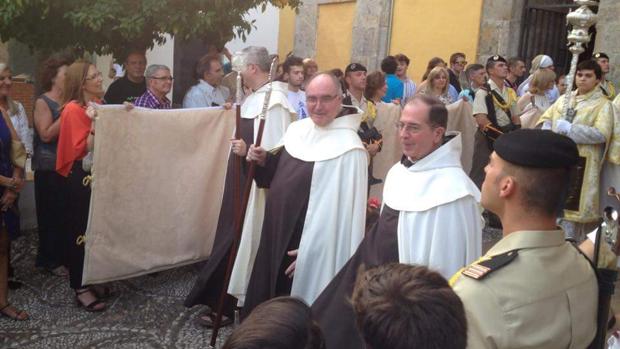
column 208, row 320
column 16, row 315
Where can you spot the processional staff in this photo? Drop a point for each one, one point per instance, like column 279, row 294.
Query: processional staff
column 241, row 207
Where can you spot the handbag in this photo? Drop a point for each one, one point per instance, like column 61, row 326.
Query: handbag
column 18, row 154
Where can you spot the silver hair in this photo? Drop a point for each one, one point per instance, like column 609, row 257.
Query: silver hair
column 154, row 68
column 257, row 55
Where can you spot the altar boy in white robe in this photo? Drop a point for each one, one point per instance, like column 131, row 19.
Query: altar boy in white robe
column 430, row 216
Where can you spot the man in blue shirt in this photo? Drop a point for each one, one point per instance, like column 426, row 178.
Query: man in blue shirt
column 394, row 84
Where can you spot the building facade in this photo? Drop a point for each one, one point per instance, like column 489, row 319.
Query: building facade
column 337, row 32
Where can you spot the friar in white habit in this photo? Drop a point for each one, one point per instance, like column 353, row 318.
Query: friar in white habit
column 430, row 216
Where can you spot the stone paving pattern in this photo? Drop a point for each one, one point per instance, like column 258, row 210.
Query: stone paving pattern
column 144, row 312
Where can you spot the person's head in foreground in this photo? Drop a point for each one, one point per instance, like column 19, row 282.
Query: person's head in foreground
column 399, row 306
column 279, row 323
column 528, row 175
column 422, row 126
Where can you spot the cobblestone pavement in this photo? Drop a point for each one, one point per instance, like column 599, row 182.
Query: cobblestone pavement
column 144, row 312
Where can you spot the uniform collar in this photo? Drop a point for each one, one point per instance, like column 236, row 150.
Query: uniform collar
column 527, row 239
column 494, row 86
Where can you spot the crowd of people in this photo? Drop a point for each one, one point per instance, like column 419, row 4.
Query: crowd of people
column 321, row 267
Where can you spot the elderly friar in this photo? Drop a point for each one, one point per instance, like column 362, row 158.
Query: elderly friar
column 315, row 210
column 254, row 66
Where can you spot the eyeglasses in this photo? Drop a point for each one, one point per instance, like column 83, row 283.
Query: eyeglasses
column 461, row 62
column 408, row 128
column 95, row 76
column 322, row 99
column 167, row 78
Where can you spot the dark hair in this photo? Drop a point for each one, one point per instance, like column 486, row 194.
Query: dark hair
column 512, row 61
column 134, row 51
column 402, row 58
column 49, row 70
column 591, row 64
column 374, row 81
column 290, row 62
column 399, row 306
column 455, row 56
column 279, row 323
column 491, row 64
column 435, row 61
column 438, row 114
column 472, row 68
column 204, row 65
column 389, row 65
column 337, row 72
column 543, row 190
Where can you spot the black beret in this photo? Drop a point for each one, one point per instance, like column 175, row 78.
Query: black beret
column 496, row 58
column 537, row 148
column 354, row 67
column 600, row 55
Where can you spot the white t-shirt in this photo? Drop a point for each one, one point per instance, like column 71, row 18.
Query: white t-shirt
column 298, row 101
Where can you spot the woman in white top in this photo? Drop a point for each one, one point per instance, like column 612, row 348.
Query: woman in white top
column 536, row 100
column 15, row 109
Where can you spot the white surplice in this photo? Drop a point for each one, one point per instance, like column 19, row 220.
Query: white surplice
column 279, row 116
column 336, row 214
column 440, row 223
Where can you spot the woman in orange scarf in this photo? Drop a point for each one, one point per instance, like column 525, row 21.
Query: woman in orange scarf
column 83, row 85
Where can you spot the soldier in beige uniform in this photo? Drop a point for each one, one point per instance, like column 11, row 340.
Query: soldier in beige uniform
column 532, row 289
column 496, row 112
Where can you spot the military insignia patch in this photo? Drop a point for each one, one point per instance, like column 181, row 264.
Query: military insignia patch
column 479, row 270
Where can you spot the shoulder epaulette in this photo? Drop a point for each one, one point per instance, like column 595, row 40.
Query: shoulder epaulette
column 478, row 271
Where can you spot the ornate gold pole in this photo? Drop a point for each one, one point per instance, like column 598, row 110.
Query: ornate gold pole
column 580, row 20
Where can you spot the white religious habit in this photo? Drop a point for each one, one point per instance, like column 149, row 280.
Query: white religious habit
column 439, row 223
column 329, row 239
column 281, row 114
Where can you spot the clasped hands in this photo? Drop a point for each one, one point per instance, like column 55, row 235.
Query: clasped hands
column 257, row 154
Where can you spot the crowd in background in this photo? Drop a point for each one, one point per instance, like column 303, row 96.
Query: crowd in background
column 59, row 152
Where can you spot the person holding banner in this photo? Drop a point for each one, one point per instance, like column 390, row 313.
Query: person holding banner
column 83, row 85
column 253, row 63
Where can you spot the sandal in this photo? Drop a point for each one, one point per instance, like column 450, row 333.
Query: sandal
column 208, row 320
column 9, row 311
column 101, row 291
column 92, row 306
column 60, row 271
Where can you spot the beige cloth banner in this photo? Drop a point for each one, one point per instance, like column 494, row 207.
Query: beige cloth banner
column 459, row 119
column 158, row 181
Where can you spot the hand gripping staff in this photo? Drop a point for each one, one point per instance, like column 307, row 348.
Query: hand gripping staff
column 240, row 208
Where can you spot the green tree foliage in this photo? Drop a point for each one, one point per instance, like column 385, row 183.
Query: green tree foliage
column 113, row 26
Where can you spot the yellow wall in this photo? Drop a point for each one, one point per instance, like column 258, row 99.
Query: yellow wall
column 286, row 35
column 334, row 32
column 423, row 29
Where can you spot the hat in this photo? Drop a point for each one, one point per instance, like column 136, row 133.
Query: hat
column 537, row 149
column 600, row 55
column 496, row 58
column 354, row 67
